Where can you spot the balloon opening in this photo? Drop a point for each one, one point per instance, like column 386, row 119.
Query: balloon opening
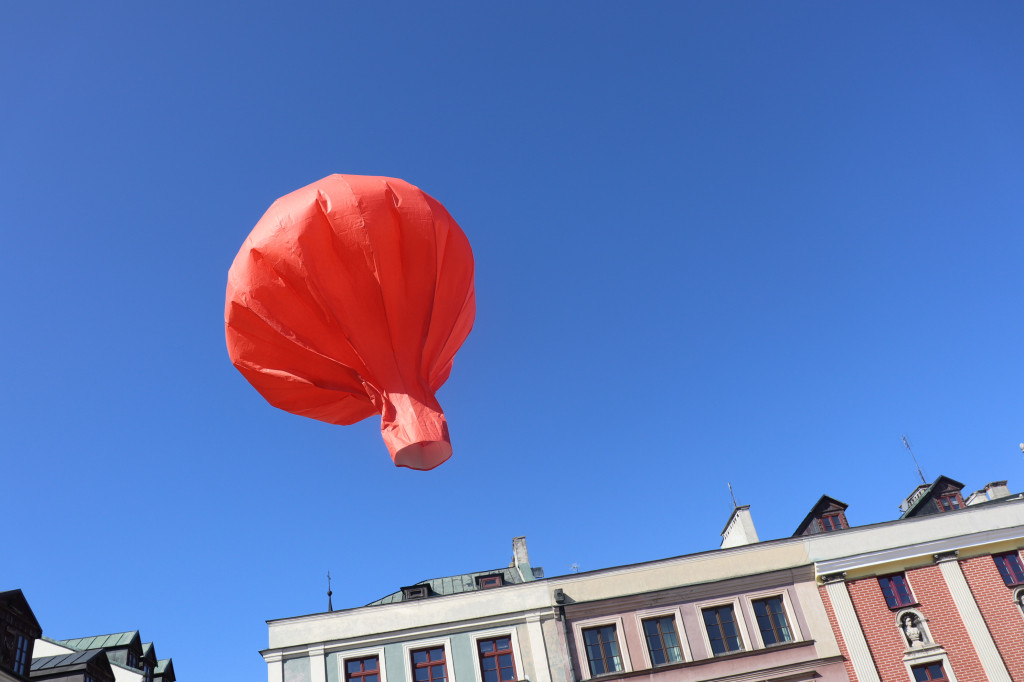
column 415, row 431
column 423, row 456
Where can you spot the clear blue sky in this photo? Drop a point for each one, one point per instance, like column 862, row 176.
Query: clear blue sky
column 715, row 242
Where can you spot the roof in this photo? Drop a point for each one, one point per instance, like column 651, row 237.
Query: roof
column 149, row 651
column 456, row 584
column 116, row 640
column 927, row 494
column 163, row 666
column 15, row 600
column 79, row 660
column 823, row 502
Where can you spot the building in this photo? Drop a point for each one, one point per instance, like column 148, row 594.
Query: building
column 936, row 594
column 26, row 655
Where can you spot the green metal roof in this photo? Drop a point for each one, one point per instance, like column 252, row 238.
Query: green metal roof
column 162, row 666
column 456, row 584
column 118, row 639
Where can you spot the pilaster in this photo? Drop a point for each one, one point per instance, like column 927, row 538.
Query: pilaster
column 849, row 627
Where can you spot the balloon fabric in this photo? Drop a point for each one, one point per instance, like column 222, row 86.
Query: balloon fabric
column 350, row 298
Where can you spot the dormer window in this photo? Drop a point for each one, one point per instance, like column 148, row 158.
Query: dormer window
column 950, row 501
column 487, row 581
column 833, row 521
column 414, row 592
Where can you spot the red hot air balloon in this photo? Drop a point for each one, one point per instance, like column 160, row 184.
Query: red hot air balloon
column 350, row 298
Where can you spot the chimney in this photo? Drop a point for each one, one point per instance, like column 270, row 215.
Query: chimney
column 740, row 528
column 993, row 491
column 521, row 559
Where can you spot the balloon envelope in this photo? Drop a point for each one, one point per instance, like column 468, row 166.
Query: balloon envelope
column 350, row 298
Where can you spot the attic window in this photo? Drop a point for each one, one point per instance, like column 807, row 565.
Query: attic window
column 486, row 581
column 833, row 521
column 950, row 501
column 414, row 592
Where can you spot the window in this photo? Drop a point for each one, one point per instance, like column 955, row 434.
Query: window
column 720, row 622
column 1010, row 568
column 428, row 665
column 147, row 672
column 771, row 620
column 949, row 502
column 133, row 661
column 486, row 581
column 896, row 591
column 929, row 671
column 414, row 592
column 602, row 650
column 662, row 641
column 832, row 521
column 497, row 664
column 362, row 669
column 21, row 655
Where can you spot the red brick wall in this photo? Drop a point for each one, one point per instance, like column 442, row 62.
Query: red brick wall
column 936, row 604
column 835, row 628
column 1003, row 617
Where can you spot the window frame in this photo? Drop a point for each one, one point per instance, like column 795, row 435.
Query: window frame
column 677, row 615
column 511, row 632
column 741, row 625
column 484, row 578
column 1019, row 568
column 408, row 648
column 906, row 581
column 787, row 610
column 914, row 660
column 956, row 504
column 352, row 654
column 837, row 515
column 581, row 647
column 22, row 664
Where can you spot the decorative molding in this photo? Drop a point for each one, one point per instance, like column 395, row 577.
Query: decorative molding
column 981, row 638
column 951, row 555
column 849, row 627
column 513, row 634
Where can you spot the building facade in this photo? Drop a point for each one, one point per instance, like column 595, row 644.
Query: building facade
column 936, row 594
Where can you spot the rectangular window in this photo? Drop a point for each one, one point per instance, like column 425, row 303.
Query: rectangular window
column 896, row 591
column 1010, row 568
column 950, row 501
column 602, row 650
column 362, row 669
column 720, row 622
column 428, row 665
column 771, row 620
column 832, row 521
column 929, row 671
column 662, row 641
column 487, row 581
column 497, row 664
column 21, row 655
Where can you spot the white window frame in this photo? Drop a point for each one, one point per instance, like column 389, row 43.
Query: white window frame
column 925, row 658
column 1018, row 600
column 677, row 616
column 512, row 633
column 787, row 607
column 361, row 653
column 581, row 648
column 409, row 647
column 741, row 625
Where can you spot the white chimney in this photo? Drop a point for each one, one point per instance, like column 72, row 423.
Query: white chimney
column 740, row 528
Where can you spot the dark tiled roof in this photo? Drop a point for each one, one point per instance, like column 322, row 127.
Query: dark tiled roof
column 456, row 584
column 73, row 660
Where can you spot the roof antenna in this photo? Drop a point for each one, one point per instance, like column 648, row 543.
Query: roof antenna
column 575, row 567
column 906, row 444
column 733, row 496
column 330, row 604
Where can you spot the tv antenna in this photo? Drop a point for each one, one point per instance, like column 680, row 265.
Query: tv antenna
column 733, row 496
column 575, row 567
column 906, row 444
column 330, row 605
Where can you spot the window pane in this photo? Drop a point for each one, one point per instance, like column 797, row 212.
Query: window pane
column 503, row 643
column 419, row 657
column 508, row 674
column 486, row 646
column 490, row 676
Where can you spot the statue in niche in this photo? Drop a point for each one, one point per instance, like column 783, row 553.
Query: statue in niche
column 913, row 632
